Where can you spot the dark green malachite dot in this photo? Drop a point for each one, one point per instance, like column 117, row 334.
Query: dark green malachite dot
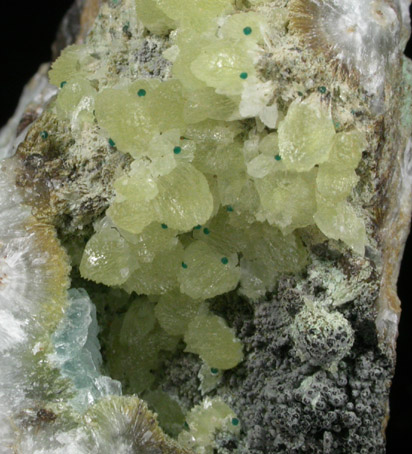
column 112, row 143
column 198, row 227
column 206, row 231
column 235, row 422
column 184, row 265
column 278, row 157
column 244, row 76
column 63, row 84
column 186, row 425
column 142, row 92
column 300, row 93
column 247, row 31
column 44, row 135
column 164, row 226
column 177, row 150
column 224, row 260
column 322, row 90
column 229, row 209
column 214, row 371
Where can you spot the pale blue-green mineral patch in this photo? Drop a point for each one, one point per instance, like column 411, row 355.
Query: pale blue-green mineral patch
column 77, row 352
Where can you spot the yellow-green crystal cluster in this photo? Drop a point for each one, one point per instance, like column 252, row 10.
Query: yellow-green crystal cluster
column 136, row 342
column 222, row 180
column 204, row 421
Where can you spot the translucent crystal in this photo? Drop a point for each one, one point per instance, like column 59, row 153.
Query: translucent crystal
column 67, row 66
column 125, row 119
column 278, row 252
column 206, row 103
column 160, row 152
column 107, row 258
column 256, row 279
column 138, row 321
column 206, row 272
column 263, row 165
column 347, row 149
column 255, row 99
column 305, row 135
column 189, row 44
column 78, row 352
column 209, row 337
column 159, row 276
column 335, row 182
column 174, row 311
column 131, row 216
column 196, row 14
column 288, row 198
column 139, row 184
column 76, row 99
column 248, row 26
column 209, row 378
column 135, row 345
column 169, row 412
column 166, row 105
column 154, row 239
column 211, row 139
column 184, row 199
column 204, row 420
column 224, row 67
column 221, row 235
column 338, row 220
column 153, row 17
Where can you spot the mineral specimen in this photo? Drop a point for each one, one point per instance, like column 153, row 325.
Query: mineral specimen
column 201, row 230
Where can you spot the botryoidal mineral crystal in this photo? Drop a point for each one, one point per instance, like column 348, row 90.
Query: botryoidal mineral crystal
column 203, row 206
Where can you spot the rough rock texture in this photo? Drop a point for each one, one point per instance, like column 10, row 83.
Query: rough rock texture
column 320, row 349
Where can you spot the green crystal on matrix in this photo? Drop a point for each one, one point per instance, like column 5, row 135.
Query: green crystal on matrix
column 222, row 205
column 107, row 258
column 153, row 17
column 184, row 198
column 125, row 119
column 170, row 415
column 175, row 310
column 158, row 276
column 209, row 336
column 67, row 66
column 205, row 277
column 223, row 67
column 203, row 421
column 305, row 135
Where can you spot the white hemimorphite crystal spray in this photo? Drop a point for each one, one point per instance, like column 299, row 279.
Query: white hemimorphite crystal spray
column 28, row 280
column 359, row 36
column 33, row 297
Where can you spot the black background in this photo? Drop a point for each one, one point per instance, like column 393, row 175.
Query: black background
column 27, row 30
